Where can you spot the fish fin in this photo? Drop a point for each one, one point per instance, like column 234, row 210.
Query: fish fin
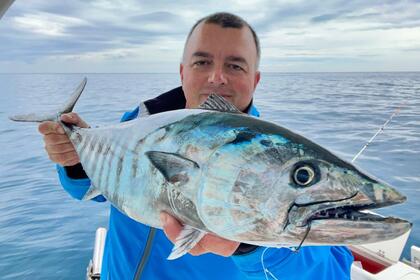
column 217, row 103
column 91, row 193
column 186, row 240
column 34, row 117
column 69, row 105
column 67, row 108
column 174, row 167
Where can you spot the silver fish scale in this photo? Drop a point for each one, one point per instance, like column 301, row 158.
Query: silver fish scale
column 233, row 211
column 115, row 162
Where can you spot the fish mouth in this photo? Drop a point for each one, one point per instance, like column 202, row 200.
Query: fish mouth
column 357, row 207
column 353, row 213
column 346, row 222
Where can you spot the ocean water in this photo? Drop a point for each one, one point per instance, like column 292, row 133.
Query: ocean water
column 45, row 234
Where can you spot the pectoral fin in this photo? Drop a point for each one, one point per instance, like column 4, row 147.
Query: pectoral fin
column 187, row 239
column 174, row 167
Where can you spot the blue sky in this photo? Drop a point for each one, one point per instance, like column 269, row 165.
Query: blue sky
column 128, row 36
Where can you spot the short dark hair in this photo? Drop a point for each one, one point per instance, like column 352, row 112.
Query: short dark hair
column 228, row 20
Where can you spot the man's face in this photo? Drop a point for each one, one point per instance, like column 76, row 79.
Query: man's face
column 222, row 61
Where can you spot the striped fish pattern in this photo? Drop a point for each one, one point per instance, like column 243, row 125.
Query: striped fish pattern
column 221, row 171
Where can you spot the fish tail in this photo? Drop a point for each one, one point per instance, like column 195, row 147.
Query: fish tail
column 53, row 116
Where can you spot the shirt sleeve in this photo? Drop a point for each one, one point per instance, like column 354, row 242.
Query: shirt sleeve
column 77, row 188
column 310, row 262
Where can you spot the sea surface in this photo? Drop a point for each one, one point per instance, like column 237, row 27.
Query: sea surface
column 45, row 234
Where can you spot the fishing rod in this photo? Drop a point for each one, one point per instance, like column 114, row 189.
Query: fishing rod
column 380, row 130
column 4, row 6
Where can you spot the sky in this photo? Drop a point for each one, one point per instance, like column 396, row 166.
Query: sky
column 128, row 36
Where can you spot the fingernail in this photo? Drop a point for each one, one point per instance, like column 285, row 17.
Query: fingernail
column 163, row 218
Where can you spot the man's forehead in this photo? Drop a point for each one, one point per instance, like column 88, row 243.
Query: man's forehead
column 209, row 36
column 220, row 29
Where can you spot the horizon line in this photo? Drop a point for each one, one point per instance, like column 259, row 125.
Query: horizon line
column 267, row 72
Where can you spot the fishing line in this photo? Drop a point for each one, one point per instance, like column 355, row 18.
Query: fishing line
column 381, row 129
column 266, row 271
column 294, row 250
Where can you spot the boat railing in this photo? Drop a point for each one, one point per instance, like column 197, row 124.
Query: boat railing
column 93, row 271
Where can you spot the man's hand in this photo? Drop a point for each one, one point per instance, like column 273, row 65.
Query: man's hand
column 208, row 244
column 57, row 144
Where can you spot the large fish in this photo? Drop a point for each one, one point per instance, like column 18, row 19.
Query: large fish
column 221, row 171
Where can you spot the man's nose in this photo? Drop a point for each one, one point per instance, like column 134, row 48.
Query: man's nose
column 217, row 77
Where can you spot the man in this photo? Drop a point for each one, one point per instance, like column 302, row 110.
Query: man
column 221, row 55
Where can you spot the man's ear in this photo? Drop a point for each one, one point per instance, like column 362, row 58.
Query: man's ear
column 181, row 72
column 257, row 79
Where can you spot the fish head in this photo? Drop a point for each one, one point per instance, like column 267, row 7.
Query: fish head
column 331, row 204
column 267, row 185
column 332, row 198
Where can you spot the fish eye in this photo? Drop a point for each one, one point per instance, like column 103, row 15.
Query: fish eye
column 303, row 175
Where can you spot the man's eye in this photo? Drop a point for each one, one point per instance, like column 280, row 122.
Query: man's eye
column 201, row 63
column 236, row 67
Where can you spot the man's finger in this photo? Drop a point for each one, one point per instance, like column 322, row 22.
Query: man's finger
column 218, row 245
column 49, row 127
column 73, row 118
column 171, row 226
column 55, row 139
column 60, row 148
column 73, row 161
column 64, row 158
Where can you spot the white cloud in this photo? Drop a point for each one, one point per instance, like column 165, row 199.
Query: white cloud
column 137, row 35
column 46, row 23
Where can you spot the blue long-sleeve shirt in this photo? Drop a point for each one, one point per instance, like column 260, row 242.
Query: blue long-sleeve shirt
column 126, row 242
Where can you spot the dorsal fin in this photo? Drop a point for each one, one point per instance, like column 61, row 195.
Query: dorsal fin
column 218, row 103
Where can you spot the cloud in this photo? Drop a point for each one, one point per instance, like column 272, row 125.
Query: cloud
column 100, row 34
column 324, row 18
column 46, row 23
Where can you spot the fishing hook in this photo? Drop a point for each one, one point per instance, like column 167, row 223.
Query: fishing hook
column 296, row 250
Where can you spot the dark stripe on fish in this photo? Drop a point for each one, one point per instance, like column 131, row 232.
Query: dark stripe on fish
column 135, row 160
column 83, row 145
column 94, row 155
column 97, row 159
column 104, row 150
column 118, row 174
